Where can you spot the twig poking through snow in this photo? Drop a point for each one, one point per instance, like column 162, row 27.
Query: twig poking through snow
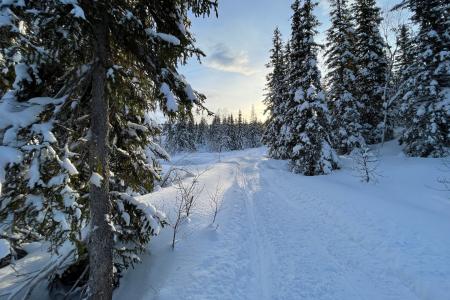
column 216, row 199
column 188, row 193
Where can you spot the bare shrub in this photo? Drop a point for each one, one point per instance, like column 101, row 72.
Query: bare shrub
column 215, row 201
column 445, row 180
column 365, row 164
column 180, row 218
column 174, row 174
column 188, row 192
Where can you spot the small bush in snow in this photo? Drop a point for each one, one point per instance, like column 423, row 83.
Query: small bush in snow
column 188, row 192
column 216, row 200
column 445, row 181
column 180, row 218
column 365, row 164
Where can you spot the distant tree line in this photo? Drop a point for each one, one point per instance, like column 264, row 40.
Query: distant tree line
column 225, row 133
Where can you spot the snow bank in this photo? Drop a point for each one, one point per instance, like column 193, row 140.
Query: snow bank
column 4, row 248
column 287, row 236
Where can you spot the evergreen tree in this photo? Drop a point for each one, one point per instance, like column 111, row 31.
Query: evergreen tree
column 216, row 140
column 287, row 58
column 224, row 133
column 372, row 68
column 341, row 79
column 80, row 77
column 182, row 135
column 170, row 142
column 405, row 53
column 427, row 104
column 202, row 133
column 254, row 131
column 231, row 133
column 240, row 134
column 404, row 58
column 283, row 147
column 307, row 117
column 274, row 98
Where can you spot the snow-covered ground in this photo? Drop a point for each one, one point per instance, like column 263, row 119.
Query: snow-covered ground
column 287, row 236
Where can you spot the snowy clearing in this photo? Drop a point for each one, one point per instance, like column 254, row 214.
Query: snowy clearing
column 280, row 235
column 287, row 236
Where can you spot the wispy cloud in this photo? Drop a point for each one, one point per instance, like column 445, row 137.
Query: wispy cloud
column 224, row 59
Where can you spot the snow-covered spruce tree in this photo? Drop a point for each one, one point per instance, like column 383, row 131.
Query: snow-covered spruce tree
column 287, row 59
column 427, row 97
column 404, row 58
column 341, row 80
column 216, row 140
column 201, row 133
column 168, row 133
column 405, row 53
column 234, row 143
column 283, row 147
column 78, row 79
column 372, row 68
column 227, row 128
column 274, row 97
column 170, row 141
column 240, row 131
column 307, row 117
column 182, row 135
column 254, row 131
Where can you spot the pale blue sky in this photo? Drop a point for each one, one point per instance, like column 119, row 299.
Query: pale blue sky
column 237, row 45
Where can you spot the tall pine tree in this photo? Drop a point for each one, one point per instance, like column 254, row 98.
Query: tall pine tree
column 283, row 147
column 274, row 98
column 240, row 131
column 341, row 79
column 254, row 130
column 181, row 137
column 372, row 68
column 403, row 61
column 405, row 53
column 80, row 77
column 427, row 97
column 201, row 134
column 307, row 117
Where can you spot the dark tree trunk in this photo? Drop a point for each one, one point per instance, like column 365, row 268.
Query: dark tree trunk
column 101, row 236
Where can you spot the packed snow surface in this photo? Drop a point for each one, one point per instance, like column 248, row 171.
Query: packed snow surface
column 286, row 236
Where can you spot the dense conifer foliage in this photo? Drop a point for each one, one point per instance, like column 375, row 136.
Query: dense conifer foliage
column 77, row 80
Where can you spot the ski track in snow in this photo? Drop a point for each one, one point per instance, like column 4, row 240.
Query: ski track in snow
column 246, row 179
column 286, row 236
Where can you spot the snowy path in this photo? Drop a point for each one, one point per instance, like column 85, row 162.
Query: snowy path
column 285, row 236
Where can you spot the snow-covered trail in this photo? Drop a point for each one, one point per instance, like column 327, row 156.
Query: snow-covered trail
column 286, row 236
